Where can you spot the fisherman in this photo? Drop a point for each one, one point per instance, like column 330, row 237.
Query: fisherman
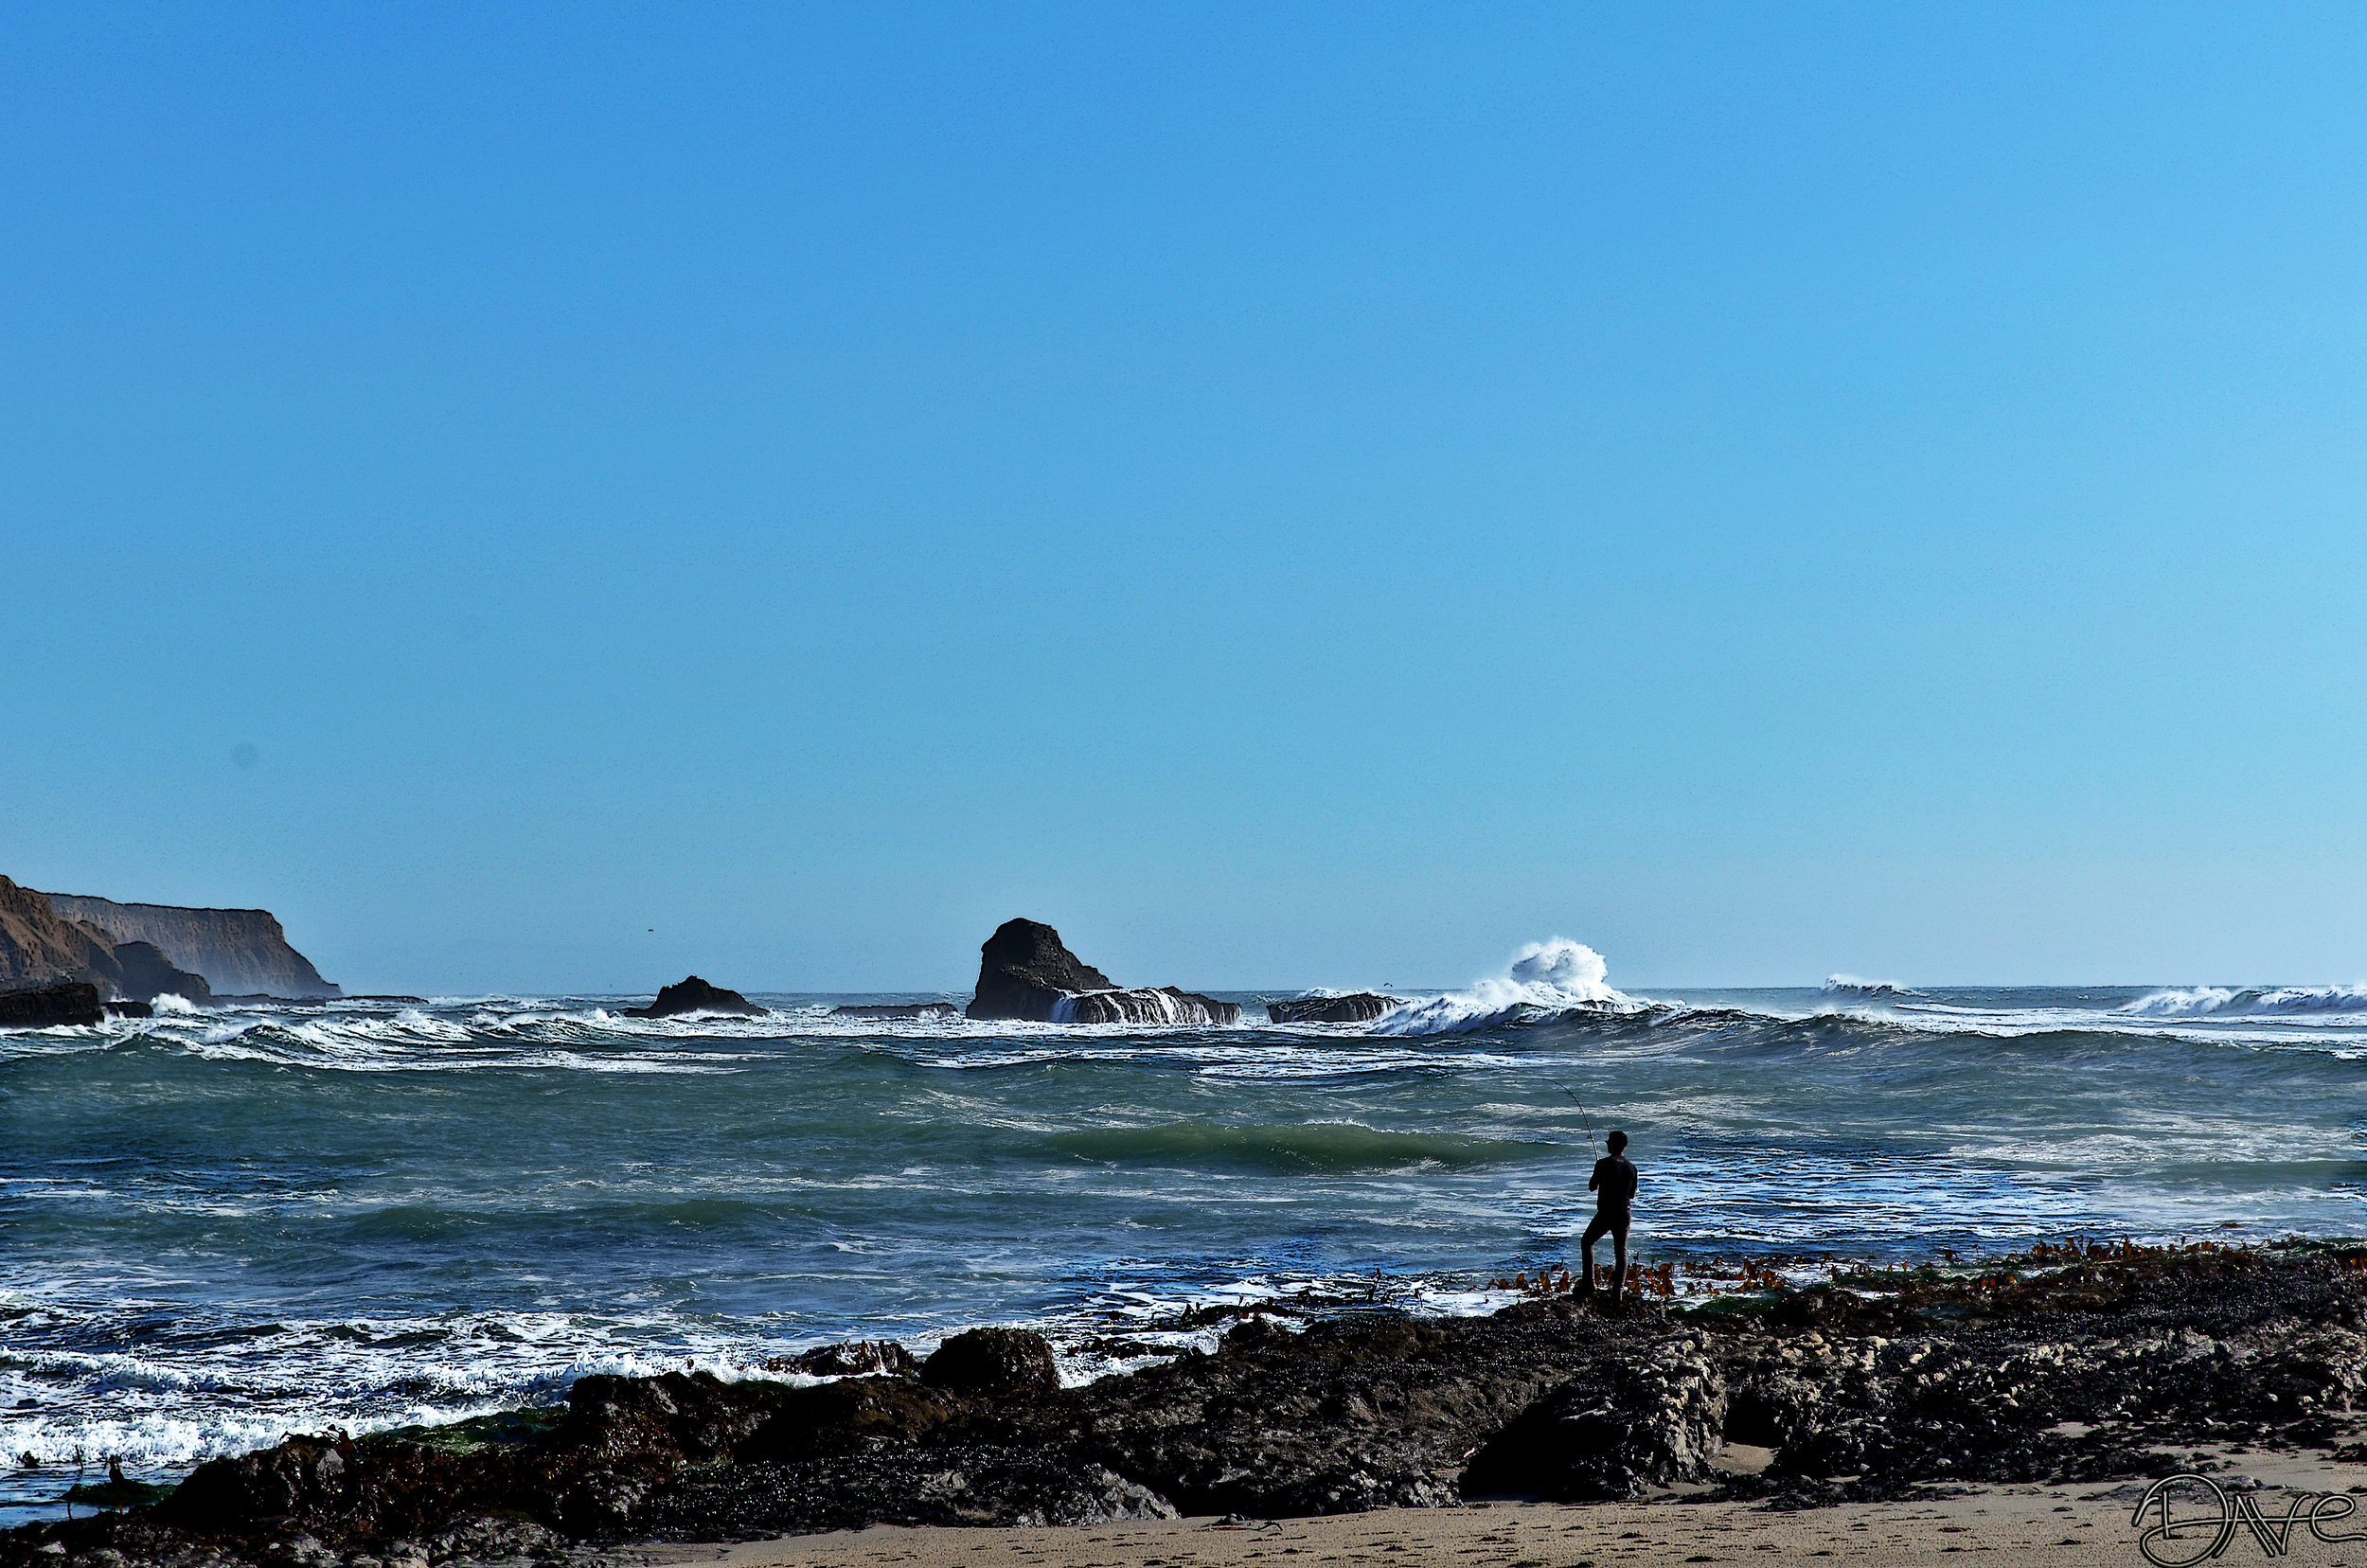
column 1613, row 1185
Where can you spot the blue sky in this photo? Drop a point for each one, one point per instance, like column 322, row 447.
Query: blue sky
column 1289, row 495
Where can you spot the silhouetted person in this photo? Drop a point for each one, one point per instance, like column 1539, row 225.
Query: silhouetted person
column 1613, row 1185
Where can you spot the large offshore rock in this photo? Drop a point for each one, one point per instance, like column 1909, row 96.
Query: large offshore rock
column 49, row 1007
column 1360, row 1008
column 236, row 949
column 1024, row 971
column 694, row 995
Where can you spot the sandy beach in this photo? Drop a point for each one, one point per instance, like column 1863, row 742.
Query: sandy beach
column 2045, row 1526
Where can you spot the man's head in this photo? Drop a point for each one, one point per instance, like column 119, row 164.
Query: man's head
column 1617, row 1141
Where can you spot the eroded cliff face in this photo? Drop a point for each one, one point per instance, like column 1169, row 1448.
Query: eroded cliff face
column 41, row 947
column 239, row 952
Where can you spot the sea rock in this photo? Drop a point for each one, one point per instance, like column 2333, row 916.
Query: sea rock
column 1024, row 971
column 694, row 995
column 236, row 949
column 849, row 1359
column 1164, row 1005
column 899, row 1009
column 1357, row 1008
column 992, row 1361
column 49, row 1007
column 145, row 975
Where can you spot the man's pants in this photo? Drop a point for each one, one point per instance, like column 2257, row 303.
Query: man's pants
column 1616, row 1223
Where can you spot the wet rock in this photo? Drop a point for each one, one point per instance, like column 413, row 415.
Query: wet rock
column 849, row 1359
column 49, row 1007
column 995, row 1361
column 1357, row 1008
column 1163, row 1005
column 694, row 995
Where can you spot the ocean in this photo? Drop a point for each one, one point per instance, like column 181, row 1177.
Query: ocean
column 217, row 1227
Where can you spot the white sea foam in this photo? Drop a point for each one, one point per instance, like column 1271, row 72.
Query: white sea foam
column 1552, row 976
column 2206, row 1001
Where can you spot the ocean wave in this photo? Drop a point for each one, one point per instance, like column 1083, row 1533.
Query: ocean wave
column 2208, row 1000
column 1851, row 984
column 1287, row 1149
column 1544, row 979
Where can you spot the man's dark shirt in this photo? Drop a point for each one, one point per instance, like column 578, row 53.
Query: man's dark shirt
column 1615, row 1183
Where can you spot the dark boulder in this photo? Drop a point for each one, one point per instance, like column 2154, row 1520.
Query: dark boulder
column 1164, row 1005
column 1613, row 1433
column 1025, row 973
column 1358, row 1008
column 694, row 995
column 995, row 1361
column 899, row 1009
column 49, row 1007
column 148, row 974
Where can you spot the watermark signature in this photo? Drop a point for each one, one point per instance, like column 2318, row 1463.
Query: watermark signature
column 2172, row 1540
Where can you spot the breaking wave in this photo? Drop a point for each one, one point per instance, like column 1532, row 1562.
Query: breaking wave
column 1546, row 979
column 2208, row 1000
column 1850, row 984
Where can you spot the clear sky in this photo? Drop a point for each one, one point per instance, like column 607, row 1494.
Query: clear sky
column 559, row 496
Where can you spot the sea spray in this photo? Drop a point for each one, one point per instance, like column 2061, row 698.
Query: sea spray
column 1544, row 978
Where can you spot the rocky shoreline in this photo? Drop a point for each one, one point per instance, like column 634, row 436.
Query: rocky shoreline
column 2065, row 1365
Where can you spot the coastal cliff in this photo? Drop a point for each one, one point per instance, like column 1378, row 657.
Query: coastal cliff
column 41, row 947
column 239, row 952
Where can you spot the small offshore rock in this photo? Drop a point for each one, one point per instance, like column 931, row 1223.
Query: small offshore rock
column 694, row 995
column 1360, row 1008
column 992, row 1362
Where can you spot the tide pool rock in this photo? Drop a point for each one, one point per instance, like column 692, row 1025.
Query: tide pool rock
column 694, row 995
column 1358, row 1008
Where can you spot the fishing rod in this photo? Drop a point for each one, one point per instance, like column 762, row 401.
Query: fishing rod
column 1584, row 1116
